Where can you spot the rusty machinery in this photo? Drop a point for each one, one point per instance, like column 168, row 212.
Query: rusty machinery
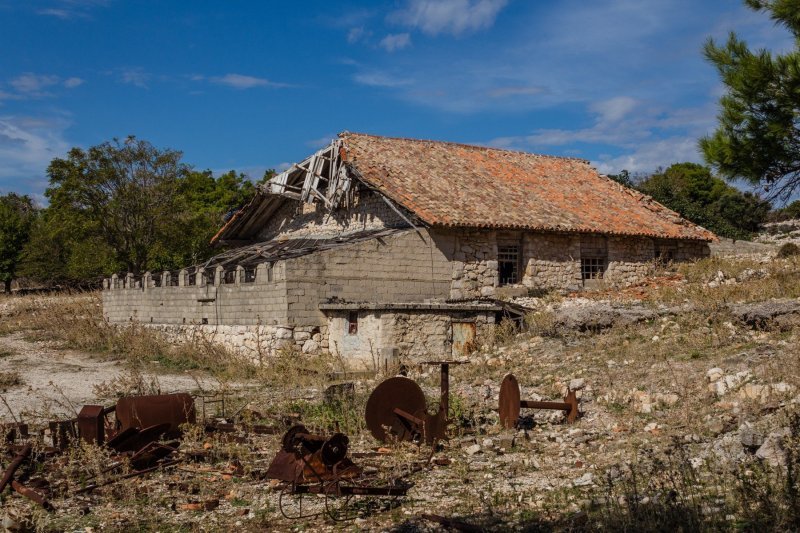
column 397, row 409
column 308, row 463
column 510, row 403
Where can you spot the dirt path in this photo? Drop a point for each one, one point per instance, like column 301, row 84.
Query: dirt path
column 55, row 381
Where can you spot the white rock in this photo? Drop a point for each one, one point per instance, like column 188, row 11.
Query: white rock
column 714, row 374
column 472, row 450
column 310, row 346
column 584, row 481
column 577, row 384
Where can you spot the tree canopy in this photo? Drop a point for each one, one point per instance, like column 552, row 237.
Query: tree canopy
column 16, row 216
column 758, row 135
column 693, row 192
column 128, row 206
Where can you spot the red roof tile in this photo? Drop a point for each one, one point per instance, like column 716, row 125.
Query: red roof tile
column 449, row 184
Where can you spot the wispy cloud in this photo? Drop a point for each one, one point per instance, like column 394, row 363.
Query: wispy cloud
column 629, row 134
column 33, row 84
column 381, row 79
column 395, row 41
column 358, row 34
column 519, row 90
column 27, row 145
column 448, row 16
column 242, row 81
column 71, row 9
column 135, row 76
column 71, row 83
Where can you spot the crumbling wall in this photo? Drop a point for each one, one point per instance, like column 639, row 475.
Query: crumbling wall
column 299, row 219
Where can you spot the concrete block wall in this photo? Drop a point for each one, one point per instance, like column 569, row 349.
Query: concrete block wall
column 299, row 219
column 405, row 267
column 262, row 302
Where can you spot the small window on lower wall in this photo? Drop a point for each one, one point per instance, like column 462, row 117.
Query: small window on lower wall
column 352, row 323
column 592, row 268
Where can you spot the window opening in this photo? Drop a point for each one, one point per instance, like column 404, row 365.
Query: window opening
column 352, row 323
column 508, row 264
column 592, row 267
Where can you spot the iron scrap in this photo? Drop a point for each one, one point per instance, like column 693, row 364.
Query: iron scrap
column 397, row 409
column 146, row 411
column 510, row 403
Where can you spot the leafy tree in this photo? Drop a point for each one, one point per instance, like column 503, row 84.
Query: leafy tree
column 691, row 190
column 126, row 193
column 16, row 216
column 791, row 211
column 623, row 178
column 758, row 136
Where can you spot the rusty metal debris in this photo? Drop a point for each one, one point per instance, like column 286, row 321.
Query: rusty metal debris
column 396, row 409
column 309, row 463
column 510, row 403
column 8, row 475
column 146, row 411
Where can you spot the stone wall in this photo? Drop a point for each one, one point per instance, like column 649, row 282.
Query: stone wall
column 409, row 335
column 629, row 259
column 474, row 263
column 552, row 261
column 299, row 219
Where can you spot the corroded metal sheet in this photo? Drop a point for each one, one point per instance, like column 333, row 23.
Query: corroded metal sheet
column 145, row 411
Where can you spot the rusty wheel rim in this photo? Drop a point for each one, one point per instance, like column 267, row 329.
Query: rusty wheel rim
column 509, row 401
column 397, row 392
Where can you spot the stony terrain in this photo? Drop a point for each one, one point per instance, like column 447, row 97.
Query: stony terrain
column 695, row 372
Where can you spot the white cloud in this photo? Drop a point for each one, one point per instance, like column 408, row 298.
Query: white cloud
column 135, row 76
column 449, row 16
column 33, row 84
column 241, row 81
column 395, row 41
column 27, row 145
column 357, row 34
column 71, row 83
column 647, row 157
column 380, row 79
column 614, row 109
column 71, row 9
column 518, row 90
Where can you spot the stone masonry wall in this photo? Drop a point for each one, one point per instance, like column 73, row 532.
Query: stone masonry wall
column 416, row 335
column 630, row 259
column 552, row 261
column 299, row 219
column 474, row 264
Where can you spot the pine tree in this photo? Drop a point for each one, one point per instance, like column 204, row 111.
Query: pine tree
column 758, row 135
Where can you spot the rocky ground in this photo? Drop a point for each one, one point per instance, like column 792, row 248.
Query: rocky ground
column 687, row 384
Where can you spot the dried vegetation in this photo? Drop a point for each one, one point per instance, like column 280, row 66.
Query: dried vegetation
column 690, row 417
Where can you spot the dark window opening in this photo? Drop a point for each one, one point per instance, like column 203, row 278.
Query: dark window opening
column 664, row 255
column 156, row 280
column 248, row 275
column 508, row 264
column 229, row 277
column 352, row 323
column 173, row 279
column 592, row 268
column 192, row 279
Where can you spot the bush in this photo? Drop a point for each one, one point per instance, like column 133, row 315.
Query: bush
column 788, row 250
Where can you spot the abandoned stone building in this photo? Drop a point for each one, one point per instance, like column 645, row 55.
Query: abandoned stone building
column 375, row 248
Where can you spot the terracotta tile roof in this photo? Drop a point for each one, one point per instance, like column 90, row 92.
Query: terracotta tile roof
column 449, row 184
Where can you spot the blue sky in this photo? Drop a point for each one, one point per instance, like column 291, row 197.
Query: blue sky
column 254, row 85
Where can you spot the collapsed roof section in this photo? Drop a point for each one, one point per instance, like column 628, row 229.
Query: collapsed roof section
column 455, row 185
column 277, row 250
